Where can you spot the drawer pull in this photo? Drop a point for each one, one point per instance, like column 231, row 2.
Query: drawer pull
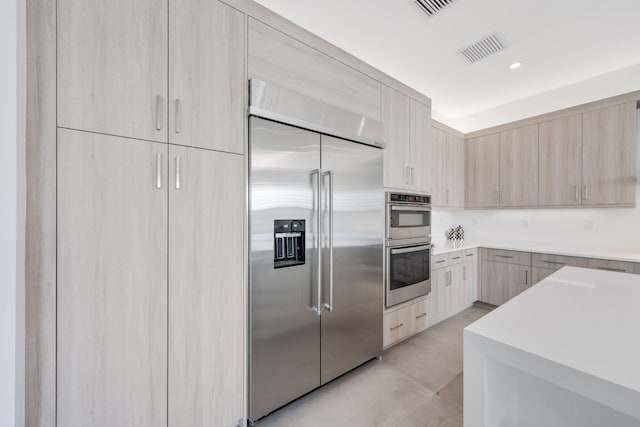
column 421, row 316
column 553, row 262
column 396, row 327
column 438, row 262
column 620, row 270
column 456, row 257
column 469, row 254
column 504, row 256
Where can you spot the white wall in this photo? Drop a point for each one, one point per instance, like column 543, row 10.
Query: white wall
column 611, row 228
column 12, row 211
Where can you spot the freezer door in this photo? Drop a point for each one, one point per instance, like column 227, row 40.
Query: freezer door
column 352, row 331
column 284, row 330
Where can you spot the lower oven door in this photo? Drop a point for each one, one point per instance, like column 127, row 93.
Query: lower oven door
column 408, row 273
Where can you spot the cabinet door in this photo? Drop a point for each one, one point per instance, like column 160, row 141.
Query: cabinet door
column 396, row 326
column 397, row 171
column 456, row 176
column 421, row 147
column 609, row 155
column 206, row 75
column 519, row 167
column 501, row 281
column 456, row 289
column 469, row 283
column 439, row 287
column 539, row 273
column 421, row 315
column 560, row 159
column 439, row 151
column 483, row 171
column 517, row 279
column 112, row 281
column 206, row 307
column 112, row 67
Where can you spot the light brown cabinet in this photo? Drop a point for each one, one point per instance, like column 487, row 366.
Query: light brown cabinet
column 560, row 180
column 407, row 156
column 483, row 171
column 519, row 167
column 502, row 281
column 158, row 70
column 112, row 281
column 454, row 281
column 448, row 169
column 539, row 273
column 206, row 75
column 141, row 277
column 112, row 67
column 609, row 155
column 408, row 319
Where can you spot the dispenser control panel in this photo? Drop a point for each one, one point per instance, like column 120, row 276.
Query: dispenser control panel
column 288, row 242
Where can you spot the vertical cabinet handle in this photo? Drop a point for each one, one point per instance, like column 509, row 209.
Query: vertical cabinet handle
column 158, row 170
column 329, row 306
column 411, row 176
column 586, row 192
column 464, row 272
column 178, row 177
column 178, row 125
column 159, row 112
column 501, row 196
column 526, row 277
column 575, row 188
column 406, row 175
column 447, row 197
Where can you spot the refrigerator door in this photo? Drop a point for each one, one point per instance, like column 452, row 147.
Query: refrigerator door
column 352, row 331
column 284, row 329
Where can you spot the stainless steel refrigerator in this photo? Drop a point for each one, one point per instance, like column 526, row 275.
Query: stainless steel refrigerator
column 316, row 222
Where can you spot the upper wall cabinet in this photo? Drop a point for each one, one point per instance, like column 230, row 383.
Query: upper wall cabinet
column 112, row 67
column 113, row 73
column 483, row 171
column 448, row 169
column 560, row 157
column 407, row 156
column 285, row 61
column 519, row 167
column 206, row 75
column 609, row 155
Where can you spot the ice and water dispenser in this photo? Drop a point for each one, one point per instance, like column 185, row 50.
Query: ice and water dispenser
column 288, row 242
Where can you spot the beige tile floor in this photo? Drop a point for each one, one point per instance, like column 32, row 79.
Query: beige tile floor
column 417, row 383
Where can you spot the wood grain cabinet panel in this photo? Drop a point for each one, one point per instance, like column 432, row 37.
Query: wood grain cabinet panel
column 440, row 167
column 112, row 281
column 539, row 273
column 112, row 67
column 501, row 281
column 206, row 75
column 519, row 167
column 276, row 57
column 206, row 308
column 421, row 147
column 483, row 171
column 448, row 169
column 396, row 110
column 456, row 178
column 560, row 157
column 609, row 155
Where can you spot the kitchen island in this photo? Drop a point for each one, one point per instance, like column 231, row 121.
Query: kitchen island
column 566, row 352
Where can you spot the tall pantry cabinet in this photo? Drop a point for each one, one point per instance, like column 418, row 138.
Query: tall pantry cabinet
column 150, row 235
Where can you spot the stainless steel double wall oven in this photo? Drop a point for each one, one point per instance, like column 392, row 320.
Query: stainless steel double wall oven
column 408, row 247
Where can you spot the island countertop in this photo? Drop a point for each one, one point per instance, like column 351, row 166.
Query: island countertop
column 578, row 329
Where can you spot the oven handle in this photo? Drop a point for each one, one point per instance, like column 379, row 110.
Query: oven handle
column 411, row 208
column 411, row 249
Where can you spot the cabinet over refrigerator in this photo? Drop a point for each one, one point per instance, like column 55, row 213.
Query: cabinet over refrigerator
column 316, row 222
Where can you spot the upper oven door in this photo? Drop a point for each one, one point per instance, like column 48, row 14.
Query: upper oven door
column 408, row 221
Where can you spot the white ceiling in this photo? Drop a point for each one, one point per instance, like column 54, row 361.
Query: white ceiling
column 572, row 51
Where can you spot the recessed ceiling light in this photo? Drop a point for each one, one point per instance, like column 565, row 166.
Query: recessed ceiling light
column 515, row 66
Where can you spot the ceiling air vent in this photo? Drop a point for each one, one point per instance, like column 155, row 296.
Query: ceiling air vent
column 431, row 7
column 483, row 48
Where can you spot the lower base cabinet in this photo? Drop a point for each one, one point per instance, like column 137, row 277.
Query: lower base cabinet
column 150, row 302
column 407, row 320
column 455, row 282
column 502, row 281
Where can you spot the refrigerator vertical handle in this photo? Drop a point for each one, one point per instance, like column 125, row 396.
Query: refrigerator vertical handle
column 318, row 307
column 329, row 306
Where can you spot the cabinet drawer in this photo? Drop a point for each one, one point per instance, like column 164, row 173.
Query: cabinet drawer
column 456, row 257
column 556, row 262
column 397, row 325
column 439, row 261
column 470, row 254
column 603, row 264
column 510, row 257
column 421, row 315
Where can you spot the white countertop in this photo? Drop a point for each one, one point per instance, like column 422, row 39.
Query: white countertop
column 578, row 331
column 588, row 320
column 444, row 246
